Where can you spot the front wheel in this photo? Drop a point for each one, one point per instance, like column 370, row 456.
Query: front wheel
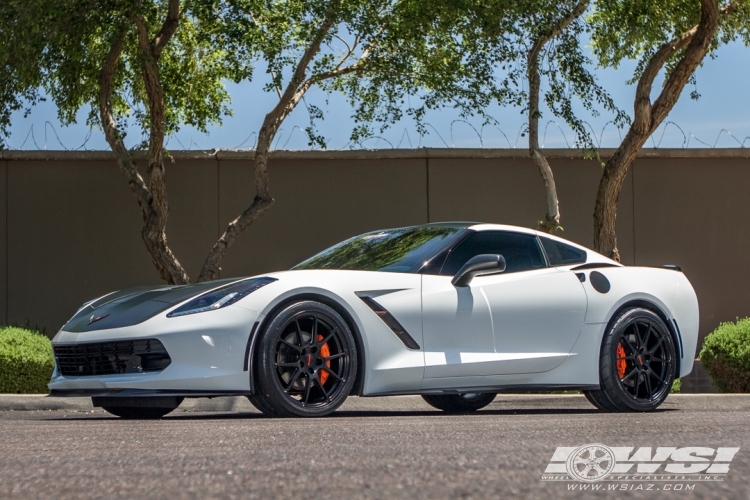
column 307, row 362
column 638, row 363
column 459, row 403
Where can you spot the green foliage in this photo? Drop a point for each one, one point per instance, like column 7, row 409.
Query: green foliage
column 676, row 386
column 726, row 356
column 634, row 29
column 59, row 47
column 26, row 361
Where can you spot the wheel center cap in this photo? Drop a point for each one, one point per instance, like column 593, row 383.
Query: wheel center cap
column 639, row 359
column 309, row 360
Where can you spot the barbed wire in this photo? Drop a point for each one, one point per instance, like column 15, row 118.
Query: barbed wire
column 367, row 143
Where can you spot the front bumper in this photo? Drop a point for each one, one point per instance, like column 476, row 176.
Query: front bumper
column 207, row 351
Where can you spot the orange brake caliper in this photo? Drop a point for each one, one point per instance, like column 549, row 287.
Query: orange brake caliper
column 325, row 351
column 621, row 363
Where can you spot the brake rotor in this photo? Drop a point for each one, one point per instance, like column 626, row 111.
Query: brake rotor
column 621, row 363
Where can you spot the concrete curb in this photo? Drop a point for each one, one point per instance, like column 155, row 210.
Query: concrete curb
column 41, row 402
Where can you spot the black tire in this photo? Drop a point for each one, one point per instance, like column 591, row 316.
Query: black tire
column 459, row 403
column 600, row 400
column 260, row 404
column 638, row 362
column 141, row 412
column 307, row 362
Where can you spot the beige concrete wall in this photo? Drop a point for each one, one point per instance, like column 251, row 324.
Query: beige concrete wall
column 318, row 203
column 73, row 226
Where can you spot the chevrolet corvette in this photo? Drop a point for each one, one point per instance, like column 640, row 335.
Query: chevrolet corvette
column 454, row 312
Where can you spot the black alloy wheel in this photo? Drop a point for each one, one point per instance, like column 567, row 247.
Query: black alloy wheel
column 459, row 403
column 307, row 362
column 637, row 364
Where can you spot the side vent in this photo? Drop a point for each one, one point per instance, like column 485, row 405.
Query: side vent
column 392, row 323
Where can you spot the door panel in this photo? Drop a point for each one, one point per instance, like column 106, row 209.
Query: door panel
column 457, row 328
column 537, row 317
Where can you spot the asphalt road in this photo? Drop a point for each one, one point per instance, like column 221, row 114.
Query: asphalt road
column 371, row 448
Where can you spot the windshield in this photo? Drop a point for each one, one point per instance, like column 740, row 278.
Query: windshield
column 392, row 250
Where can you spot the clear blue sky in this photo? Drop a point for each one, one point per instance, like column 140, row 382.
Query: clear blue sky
column 723, row 82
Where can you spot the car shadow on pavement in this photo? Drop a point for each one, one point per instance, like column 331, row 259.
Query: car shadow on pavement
column 368, row 414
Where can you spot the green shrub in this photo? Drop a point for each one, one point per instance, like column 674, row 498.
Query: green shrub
column 726, row 356
column 26, row 361
column 676, row 386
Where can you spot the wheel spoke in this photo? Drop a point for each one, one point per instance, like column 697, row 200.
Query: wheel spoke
column 332, row 373
column 299, row 332
column 334, row 356
column 327, row 337
column 637, row 384
column 294, row 378
column 638, row 336
column 626, row 377
column 320, row 386
column 308, row 386
column 289, row 344
column 314, row 334
column 289, row 364
column 653, row 349
column 651, row 372
column 648, row 335
column 647, row 380
column 633, row 349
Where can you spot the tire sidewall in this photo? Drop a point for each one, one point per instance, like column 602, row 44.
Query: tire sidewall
column 268, row 381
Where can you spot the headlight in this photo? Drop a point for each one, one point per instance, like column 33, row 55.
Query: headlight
column 221, row 297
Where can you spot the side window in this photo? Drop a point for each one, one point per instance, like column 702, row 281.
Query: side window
column 521, row 251
column 560, row 254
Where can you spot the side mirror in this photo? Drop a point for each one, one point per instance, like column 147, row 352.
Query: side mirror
column 479, row 264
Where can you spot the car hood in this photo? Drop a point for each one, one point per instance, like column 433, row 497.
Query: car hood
column 135, row 305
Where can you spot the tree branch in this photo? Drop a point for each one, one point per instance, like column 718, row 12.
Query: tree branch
column 168, row 28
column 263, row 200
column 643, row 110
column 109, row 123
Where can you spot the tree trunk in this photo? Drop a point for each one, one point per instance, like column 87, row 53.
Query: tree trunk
column 552, row 217
column 648, row 117
column 271, row 123
column 154, row 232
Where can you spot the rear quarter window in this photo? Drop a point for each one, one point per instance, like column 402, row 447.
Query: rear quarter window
column 560, row 254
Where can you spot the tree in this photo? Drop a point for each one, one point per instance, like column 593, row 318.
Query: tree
column 673, row 36
column 161, row 64
column 516, row 45
column 376, row 52
column 295, row 39
column 143, row 60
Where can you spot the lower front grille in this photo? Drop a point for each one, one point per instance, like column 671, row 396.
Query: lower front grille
column 110, row 358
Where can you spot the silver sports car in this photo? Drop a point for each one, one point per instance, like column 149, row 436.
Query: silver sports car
column 454, row 312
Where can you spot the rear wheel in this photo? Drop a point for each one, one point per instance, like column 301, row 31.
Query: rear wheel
column 637, row 363
column 307, row 362
column 459, row 403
